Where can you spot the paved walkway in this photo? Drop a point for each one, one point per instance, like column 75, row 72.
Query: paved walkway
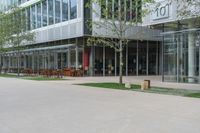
column 155, row 81
column 59, row 107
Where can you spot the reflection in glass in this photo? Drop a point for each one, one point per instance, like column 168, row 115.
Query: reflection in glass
column 39, row 15
column 57, row 11
column 44, row 13
column 73, row 9
column 33, row 17
column 50, row 11
column 64, row 10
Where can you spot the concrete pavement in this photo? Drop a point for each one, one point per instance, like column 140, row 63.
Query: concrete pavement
column 59, row 107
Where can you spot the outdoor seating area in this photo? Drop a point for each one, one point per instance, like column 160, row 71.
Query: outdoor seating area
column 47, row 72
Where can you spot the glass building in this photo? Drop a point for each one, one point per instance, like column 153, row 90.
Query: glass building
column 61, row 41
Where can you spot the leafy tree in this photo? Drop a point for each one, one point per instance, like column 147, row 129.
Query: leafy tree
column 16, row 34
column 117, row 17
column 5, row 24
column 188, row 8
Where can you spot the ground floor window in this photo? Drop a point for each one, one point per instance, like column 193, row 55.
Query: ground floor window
column 139, row 58
column 181, row 56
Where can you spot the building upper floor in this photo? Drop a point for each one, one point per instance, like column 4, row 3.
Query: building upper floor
column 62, row 19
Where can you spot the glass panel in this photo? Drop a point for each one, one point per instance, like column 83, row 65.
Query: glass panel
column 73, row 58
column 73, row 9
column 33, row 17
column 51, row 59
column 98, row 69
column 28, row 19
column 181, row 57
column 153, row 58
column 64, row 60
column 170, row 58
column 142, row 58
column 103, row 9
column 80, row 59
column 50, row 11
column 116, row 5
column 110, row 61
column 64, row 10
column 44, row 13
column 59, row 60
column 128, row 9
column 132, row 59
column 57, row 11
column 39, row 15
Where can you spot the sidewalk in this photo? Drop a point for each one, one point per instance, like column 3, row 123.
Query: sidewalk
column 155, row 81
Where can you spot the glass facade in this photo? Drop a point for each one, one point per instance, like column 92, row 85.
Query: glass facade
column 181, row 56
column 45, row 12
column 130, row 9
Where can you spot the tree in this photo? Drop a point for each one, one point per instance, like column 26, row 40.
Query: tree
column 188, row 8
column 4, row 32
column 19, row 34
column 117, row 17
column 2, row 35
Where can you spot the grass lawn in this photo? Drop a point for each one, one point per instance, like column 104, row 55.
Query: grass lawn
column 159, row 90
column 8, row 75
column 36, row 78
column 41, row 78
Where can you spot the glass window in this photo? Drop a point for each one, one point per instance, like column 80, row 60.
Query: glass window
column 73, row 9
column 50, row 10
column 39, row 15
column 28, row 18
column 109, row 11
column 44, row 13
column 116, row 10
column 103, row 9
column 64, row 10
column 33, row 17
column 128, row 10
column 57, row 11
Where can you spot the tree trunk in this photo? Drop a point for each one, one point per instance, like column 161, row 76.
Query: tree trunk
column 18, row 64
column 121, row 64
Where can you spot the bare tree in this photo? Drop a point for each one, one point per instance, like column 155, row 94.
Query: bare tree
column 117, row 17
